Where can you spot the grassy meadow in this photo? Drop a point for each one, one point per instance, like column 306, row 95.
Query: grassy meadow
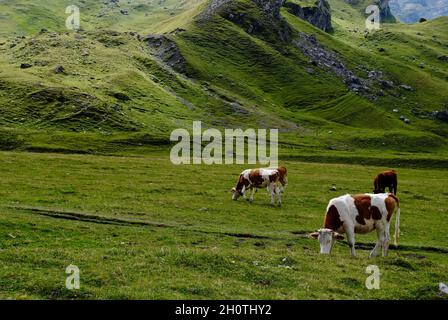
column 139, row 227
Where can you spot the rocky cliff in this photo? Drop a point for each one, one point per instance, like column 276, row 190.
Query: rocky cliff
column 385, row 12
column 318, row 15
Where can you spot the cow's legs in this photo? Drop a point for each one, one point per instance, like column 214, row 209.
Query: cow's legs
column 243, row 192
column 377, row 245
column 351, row 241
column 251, row 198
column 278, row 191
column 386, row 238
column 271, row 190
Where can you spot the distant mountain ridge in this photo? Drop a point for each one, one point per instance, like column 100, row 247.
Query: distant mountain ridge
column 410, row 11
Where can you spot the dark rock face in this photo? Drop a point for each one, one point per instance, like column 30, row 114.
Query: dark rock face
column 59, row 70
column 212, row 8
column 167, row 51
column 385, row 13
column 441, row 115
column 121, row 96
column 406, row 87
column 387, row 84
column 319, row 16
column 271, row 7
column 270, row 24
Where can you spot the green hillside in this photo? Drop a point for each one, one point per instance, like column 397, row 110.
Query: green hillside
column 22, row 17
column 232, row 65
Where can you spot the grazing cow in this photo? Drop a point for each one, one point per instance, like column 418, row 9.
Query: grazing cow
column 251, row 179
column 386, row 179
column 359, row 214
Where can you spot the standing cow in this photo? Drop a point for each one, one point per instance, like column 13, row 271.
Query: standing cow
column 386, row 179
column 359, row 214
column 274, row 179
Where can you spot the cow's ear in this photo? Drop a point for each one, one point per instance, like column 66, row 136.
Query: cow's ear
column 314, row 235
column 338, row 236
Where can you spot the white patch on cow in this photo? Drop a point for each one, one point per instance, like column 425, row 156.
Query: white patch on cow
column 346, row 209
column 379, row 201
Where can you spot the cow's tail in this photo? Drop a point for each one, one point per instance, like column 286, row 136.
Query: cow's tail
column 397, row 221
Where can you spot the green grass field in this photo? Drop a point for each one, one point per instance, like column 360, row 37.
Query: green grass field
column 139, row 227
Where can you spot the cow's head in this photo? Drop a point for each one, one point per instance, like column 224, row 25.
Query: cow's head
column 327, row 238
column 236, row 194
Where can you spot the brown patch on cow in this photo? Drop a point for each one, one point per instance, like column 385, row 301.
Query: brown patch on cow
column 242, row 182
column 332, row 219
column 282, row 175
column 360, row 220
column 376, row 213
column 390, row 202
column 274, row 177
column 365, row 209
column 255, row 177
column 362, row 203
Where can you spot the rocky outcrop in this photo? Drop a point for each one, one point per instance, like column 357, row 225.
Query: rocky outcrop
column 167, row 51
column 211, row 9
column 328, row 60
column 271, row 7
column 267, row 25
column 441, row 115
column 319, row 15
column 385, row 12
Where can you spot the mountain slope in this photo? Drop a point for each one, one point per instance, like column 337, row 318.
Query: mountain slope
column 21, row 17
column 228, row 63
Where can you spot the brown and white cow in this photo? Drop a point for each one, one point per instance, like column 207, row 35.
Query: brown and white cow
column 359, row 214
column 274, row 179
column 386, row 179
